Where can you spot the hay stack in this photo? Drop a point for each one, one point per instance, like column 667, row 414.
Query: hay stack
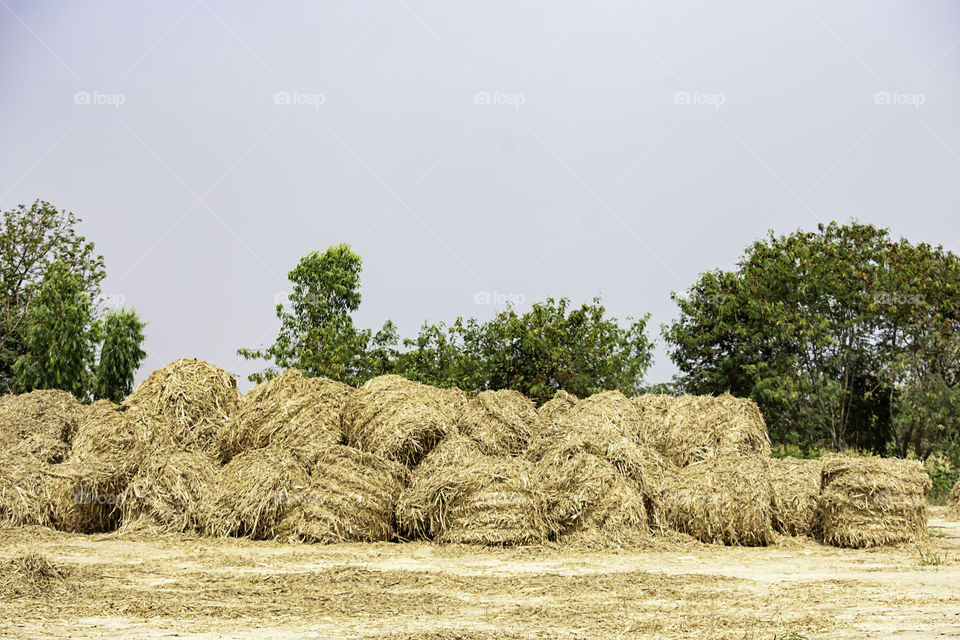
column 39, row 424
column 721, row 501
column 351, row 498
column 167, row 493
column 501, row 422
column 251, row 494
column 398, row 419
column 590, row 502
column 696, row 428
column 795, row 486
column 193, row 399
column 953, row 501
column 555, row 407
column 27, row 494
column 297, row 414
column 868, row 502
column 459, row 495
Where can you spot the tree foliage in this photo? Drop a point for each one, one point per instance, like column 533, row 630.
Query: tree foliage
column 120, row 355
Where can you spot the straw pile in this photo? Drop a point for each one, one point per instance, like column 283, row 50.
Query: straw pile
column 193, row 399
column 500, row 422
column 953, row 501
column 398, row 419
column 27, row 494
column 39, row 424
column 796, row 495
column 556, row 406
column 297, row 414
column 251, row 494
column 696, row 428
column 868, row 502
column 721, row 501
column 459, row 495
column 351, row 498
column 167, row 493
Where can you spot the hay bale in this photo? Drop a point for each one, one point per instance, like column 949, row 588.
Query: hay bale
column 501, row 422
column 167, row 493
column 590, row 502
column 953, row 501
column 398, row 419
column 83, row 497
column 297, row 414
column 692, row 429
column 351, row 498
column 721, row 501
column 193, row 399
column 795, row 486
column 27, row 495
column 460, row 495
column 250, row 496
column 868, row 502
column 39, row 423
column 559, row 404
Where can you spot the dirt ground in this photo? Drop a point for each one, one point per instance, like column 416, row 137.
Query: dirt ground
column 114, row 586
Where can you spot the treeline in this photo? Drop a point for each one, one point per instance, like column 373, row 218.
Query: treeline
column 845, row 336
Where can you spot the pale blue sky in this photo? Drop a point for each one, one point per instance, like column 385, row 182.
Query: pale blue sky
column 539, row 149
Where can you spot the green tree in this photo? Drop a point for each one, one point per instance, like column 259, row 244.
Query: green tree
column 60, row 336
column 317, row 334
column 553, row 346
column 120, row 355
column 31, row 239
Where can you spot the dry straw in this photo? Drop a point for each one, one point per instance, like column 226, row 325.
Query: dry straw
column 868, row 502
column 695, row 428
column 167, row 493
column 460, row 495
column 953, row 501
column 251, row 494
column 559, row 404
column 796, row 495
column 193, row 399
column 501, row 422
column 39, row 424
column 351, row 498
column 398, row 419
column 722, row 500
column 297, row 414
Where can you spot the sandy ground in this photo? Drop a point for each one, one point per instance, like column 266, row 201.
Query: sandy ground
column 178, row 587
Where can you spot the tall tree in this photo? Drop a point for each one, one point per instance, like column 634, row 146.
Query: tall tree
column 120, row 355
column 59, row 335
column 31, row 239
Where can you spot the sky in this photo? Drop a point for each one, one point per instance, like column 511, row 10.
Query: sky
column 472, row 153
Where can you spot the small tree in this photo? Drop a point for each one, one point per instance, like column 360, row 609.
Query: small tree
column 60, row 336
column 120, row 355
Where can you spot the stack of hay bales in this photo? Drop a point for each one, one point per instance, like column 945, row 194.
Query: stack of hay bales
column 717, row 448
column 795, row 486
column 252, row 494
column 953, row 501
column 192, row 399
column 297, row 414
column 460, row 495
column 869, row 502
column 501, row 422
column 400, row 420
column 602, row 483
column 351, row 498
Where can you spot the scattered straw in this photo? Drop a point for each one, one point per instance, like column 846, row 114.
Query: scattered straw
column 251, row 494
column 723, row 501
column 796, row 495
column 499, row 421
column 192, row 398
column 868, row 502
column 398, row 419
column 31, row 575
column 351, row 498
column 297, row 414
